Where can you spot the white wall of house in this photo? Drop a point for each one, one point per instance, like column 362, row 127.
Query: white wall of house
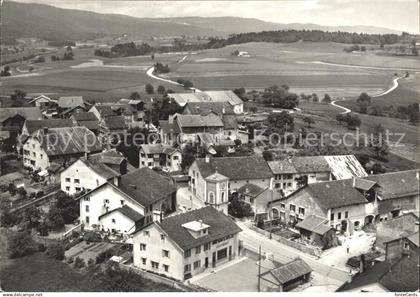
column 117, row 222
column 79, row 176
column 238, row 108
column 101, row 201
column 172, row 161
column 34, row 155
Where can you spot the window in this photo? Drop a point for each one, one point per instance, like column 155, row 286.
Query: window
column 282, row 206
column 142, row 246
column 150, row 164
column 78, row 189
column 146, row 233
column 162, row 237
column 165, row 253
column 346, row 214
column 143, row 261
column 41, row 155
column 211, row 197
column 77, row 181
column 301, row 211
column 332, row 217
column 223, row 196
column 207, row 246
column 187, row 254
column 86, row 198
column 292, row 207
column 187, row 268
column 67, row 189
column 122, row 202
column 155, row 265
column 87, row 208
column 175, row 158
column 106, row 201
column 34, row 154
column 197, row 264
column 166, row 267
column 339, row 216
column 67, row 179
column 198, row 249
column 113, row 221
column 406, row 246
column 87, row 220
column 222, row 254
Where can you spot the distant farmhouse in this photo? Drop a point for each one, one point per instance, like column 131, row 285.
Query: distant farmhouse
column 12, row 120
column 210, row 96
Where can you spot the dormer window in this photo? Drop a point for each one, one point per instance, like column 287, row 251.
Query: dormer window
column 196, row 228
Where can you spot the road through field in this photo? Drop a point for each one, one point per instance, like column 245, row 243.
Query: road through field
column 150, row 71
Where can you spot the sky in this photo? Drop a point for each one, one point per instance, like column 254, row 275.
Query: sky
column 400, row 15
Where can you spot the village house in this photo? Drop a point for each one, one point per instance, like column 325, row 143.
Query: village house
column 397, row 273
column 212, row 180
column 46, row 147
column 295, row 172
column 161, row 156
column 210, row 96
column 70, row 102
column 127, row 202
column 43, row 102
column 110, row 128
column 12, row 120
column 85, row 119
column 204, row 108
column 186, row 244
column 351, row 203
column 89, row 172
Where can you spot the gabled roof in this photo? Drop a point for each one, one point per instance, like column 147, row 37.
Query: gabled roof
column 290, row 271
column 207, row 96
column 33, row 125
column 158, row 148
column 229, row 121
column 236, row 168
column 345, row 166
column 364, row 184
column 204, row 108
column 335, row 194
column 396, row 184
column 414, row 238
column 168, row 127
column 224, row 96
column 194, row 121
column 146, row 186
column 104, row 110
column 115, row 123
column 84, row 116
column 126, row 211
column 41, row 97
column 220, row 227
column 71, row 101
column 28, row 113
column 67, row 141
column 108, row 157
column 315, row 224
column 251, row 190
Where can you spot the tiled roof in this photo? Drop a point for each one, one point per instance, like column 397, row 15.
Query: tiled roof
column 334, row 194
column 315, row 224
column 290, row 271
column 33, row 125
column 311, row 164
column 126, row 211
column 220, row 226
column 84, row 116
column 146, row 186
column 414, row 238
column 345, row 166
column 191, row 121
column 282, row 166
column 229, row 121
column 167, row 127
column 115, row 123
column 67, row 140
column 236, row 168
column 204, row 108
column 363, row 184
column 224, row 96
column 104, row 110
column 251, row 190
column 208, row 96
column 28, row 113
column 70, row 101
column 107, row 157
column 403, row 276
column 396, row 184
column 158, row 149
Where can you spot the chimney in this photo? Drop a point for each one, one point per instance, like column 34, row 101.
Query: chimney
column 362, row 263
column 171, row 119
column 86, row 155
column 45, row 130
column 201, row 223
column 417, row 174
column 354, row 181
column 117, row 180
column 207, row 159
column 157, row 216
column 223, row 110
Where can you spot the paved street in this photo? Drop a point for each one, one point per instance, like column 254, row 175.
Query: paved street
column 325, row 276
column 187, row 200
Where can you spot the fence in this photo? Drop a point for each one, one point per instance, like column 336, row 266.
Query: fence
column 164, row 280
column 314, row 251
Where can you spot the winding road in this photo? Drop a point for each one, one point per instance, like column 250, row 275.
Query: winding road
column 150, row 71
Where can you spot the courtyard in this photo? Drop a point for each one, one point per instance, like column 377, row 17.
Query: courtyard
column 88, row 251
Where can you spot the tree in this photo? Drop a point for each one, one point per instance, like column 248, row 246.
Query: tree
column 33, row 216
column 315, row 97
column 308, row 121
column 301, row 181
column 189, row 154
column 5, row 71
column 79, row 263
column 353, row 121
column 56, row 251
column 149, row 89
column 135, row 96
column 326, row 99
column 68, row 207
column 268, row 155
column 280, row 122
column 188, row 84
column 18, row 98
column 161, row 89
column 377, row 143
column 9, row 219
column 21, row 244
column 239, row 208
column 55, row 218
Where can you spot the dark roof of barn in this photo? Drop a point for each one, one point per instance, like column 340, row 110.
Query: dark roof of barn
column 84, row 116
column 33, row 125
column 220, row 226
column 204, row 108
column 236, row 168
column 290, row 271
column 28, row 113
column 115, row 122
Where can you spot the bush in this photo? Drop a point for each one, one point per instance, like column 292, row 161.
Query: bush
column 56, row 251
column 105, row 255
column 41, row 247
column 79, row 263
column 39, row 194
column 21, row 244
column 9, row 219
column 70, row 260
column 91, row 236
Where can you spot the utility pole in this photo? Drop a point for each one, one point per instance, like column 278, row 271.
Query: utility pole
column 259, row 269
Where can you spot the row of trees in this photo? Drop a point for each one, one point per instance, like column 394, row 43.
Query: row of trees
column 352, row 120
column 279, row 97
